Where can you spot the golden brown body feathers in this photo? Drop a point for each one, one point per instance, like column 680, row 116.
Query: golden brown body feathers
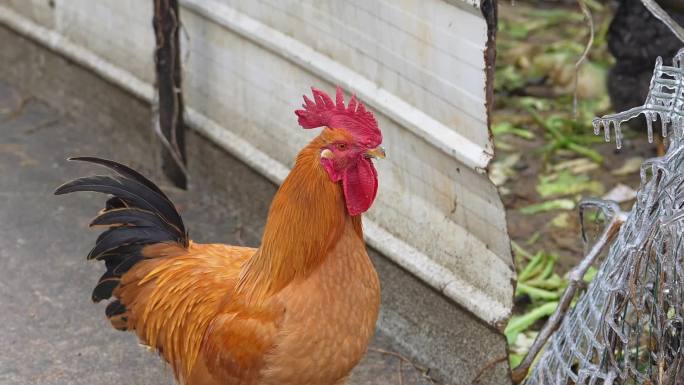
column 172, row 298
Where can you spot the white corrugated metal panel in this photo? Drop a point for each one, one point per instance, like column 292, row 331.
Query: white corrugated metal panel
column 420, row 64
column 427, row 53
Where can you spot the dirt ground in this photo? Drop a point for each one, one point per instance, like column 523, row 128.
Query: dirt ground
column 546, row 91
column 538, row 231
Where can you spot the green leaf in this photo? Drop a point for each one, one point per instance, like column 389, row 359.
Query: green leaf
column 584, row 151
column 590, row 274
column 575, row 166
column 561, row 220
column 534, row 238
column 514, row 359
column 535, row 293
column 518, row 31
column 564, row 183
column 554, row 282
column 520, row 323
column 535, row 265
column 519, row 250
column 538, row 104
column 508, row 78
column 504, row 128
column 556, row 204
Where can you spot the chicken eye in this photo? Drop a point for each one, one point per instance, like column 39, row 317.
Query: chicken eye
column 341, row 146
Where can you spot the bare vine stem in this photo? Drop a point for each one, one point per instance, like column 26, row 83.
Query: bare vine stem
column 587, row 48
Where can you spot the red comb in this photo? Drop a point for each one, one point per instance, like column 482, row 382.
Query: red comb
column 322, row 111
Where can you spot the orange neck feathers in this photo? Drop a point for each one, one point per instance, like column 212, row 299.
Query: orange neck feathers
column 306, row 219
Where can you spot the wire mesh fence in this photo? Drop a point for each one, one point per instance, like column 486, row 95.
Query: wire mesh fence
column 628, row 327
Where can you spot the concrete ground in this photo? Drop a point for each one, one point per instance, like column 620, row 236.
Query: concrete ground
column 51, row 333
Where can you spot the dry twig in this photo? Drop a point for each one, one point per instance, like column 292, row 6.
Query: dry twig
column 16, row 111
column 487, row 367
column 401, row 372
column 423, row 370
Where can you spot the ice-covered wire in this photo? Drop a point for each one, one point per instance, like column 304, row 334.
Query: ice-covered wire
column 660, row 13
column 628, row 327
column 665, row 101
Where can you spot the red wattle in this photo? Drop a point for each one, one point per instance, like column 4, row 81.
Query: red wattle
column 360, row 185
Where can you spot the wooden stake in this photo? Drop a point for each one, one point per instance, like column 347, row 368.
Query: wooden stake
column 169, row 125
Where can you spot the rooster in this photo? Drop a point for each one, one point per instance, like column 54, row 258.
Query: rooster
column 300, row 309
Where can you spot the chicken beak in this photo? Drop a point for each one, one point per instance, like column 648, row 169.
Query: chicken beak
column 377, row 152
column 327, row 154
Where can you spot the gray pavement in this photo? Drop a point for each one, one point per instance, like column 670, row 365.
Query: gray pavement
column 50, row 331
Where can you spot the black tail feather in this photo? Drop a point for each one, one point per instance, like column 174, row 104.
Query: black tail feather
column 124, row 171
column 116, row 312
column 115, row 308
column 119, row 252
column 133, row 217
column 114, row 203
column 105, row 286
column 126, row 264
column 137, row 214
column 125, row 235
column 132, row 193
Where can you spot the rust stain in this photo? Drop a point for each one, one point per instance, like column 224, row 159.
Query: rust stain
column 490, row 13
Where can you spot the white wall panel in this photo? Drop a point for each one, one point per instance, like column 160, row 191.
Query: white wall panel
column 420, row 64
